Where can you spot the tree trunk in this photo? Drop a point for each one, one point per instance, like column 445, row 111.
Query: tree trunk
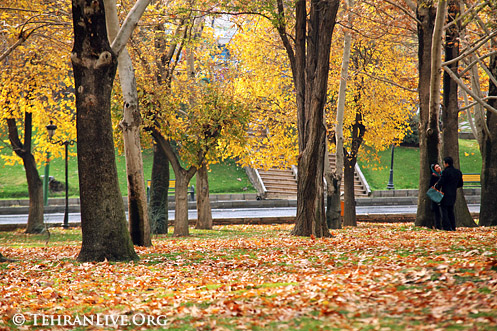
column 334, row 181
column 183, row 178
column 310, row 73
column 204, row 213
column 181, row 208
column 357, row 136
column 35, row 189
column 450, row 119
column 103, row 220
column 349, row 210
column 159, row 189
column 428, row 130
column 35, row 185
column 139, row 225
column 488, row 207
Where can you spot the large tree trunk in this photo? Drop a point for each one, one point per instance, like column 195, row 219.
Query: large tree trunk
column 428, row 130
column 139, row 225
column 35, row 185
column 103, row 220
column 311, row 68
column 159, row 189
column 488, row 207
column 450, row 119
column 204, row 213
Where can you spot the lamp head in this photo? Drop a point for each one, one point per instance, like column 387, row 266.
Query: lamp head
column 51, row 130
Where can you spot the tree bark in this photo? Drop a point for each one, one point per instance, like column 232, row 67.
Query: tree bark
column 204, row 213
column 488, row 207
column 183, row 178
column 103, row 220
column 450, row 114
column 357, row 136
column 35, row 185
column 138, row 220
column 334, row 180
column 349, row 210
column 311, row 80
column 159, row 189
column 428, row 126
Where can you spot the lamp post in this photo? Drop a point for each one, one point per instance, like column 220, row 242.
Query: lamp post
column 51, row 131
column 46, row 179
column 390, row 181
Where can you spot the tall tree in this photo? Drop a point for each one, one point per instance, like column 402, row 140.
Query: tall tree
column 334, row 178
column 428, row 120
column 309, row 60
column 138, row 220
column 35, row 185
column 450, row 113
column 33, row 38
column 478, row 37
column 103, row 221
column 488, row 208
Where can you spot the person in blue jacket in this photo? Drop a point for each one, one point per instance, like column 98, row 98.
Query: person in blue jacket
column 450, row 181
column 436, row 172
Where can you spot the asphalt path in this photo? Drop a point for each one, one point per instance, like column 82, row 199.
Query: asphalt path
column 239, row 213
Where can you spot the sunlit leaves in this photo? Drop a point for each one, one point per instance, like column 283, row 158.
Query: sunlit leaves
column 203, row 114
column 36, row 76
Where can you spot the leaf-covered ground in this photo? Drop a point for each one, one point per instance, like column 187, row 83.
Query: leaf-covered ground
column 373, row 277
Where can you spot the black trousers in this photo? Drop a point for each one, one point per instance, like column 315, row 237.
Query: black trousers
column 448, row 217
column 435, row 208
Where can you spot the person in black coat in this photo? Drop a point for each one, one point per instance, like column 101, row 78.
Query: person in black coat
column 436, row 172
column 449, row 182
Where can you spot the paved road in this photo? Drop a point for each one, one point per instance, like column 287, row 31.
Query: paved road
column 247, row 214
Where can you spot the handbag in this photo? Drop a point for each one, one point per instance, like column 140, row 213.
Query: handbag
column 434, row 194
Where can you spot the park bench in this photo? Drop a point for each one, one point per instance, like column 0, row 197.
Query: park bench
column 172, row 189
column 471, row 180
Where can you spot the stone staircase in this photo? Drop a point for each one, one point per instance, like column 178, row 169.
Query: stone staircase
column 279, row 183
column 282, row 183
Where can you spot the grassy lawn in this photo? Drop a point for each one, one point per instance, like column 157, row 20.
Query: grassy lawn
column 406, row 166
column 226, row 177
column 370, row 277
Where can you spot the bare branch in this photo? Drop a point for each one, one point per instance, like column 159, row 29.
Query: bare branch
column 467, row 90
column 471, row 50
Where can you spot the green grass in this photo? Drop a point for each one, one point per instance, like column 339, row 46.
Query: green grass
column 226, row 177
column 406, row 166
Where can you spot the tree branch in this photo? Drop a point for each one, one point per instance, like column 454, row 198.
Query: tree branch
column 467, row 90
column 129, row 25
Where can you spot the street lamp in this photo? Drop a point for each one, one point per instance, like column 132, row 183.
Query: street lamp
column 390, row 181
column 51, row 131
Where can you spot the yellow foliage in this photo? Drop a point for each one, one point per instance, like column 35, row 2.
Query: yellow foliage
column 36, row 76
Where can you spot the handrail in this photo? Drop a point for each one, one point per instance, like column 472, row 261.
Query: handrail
column 362, row 178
